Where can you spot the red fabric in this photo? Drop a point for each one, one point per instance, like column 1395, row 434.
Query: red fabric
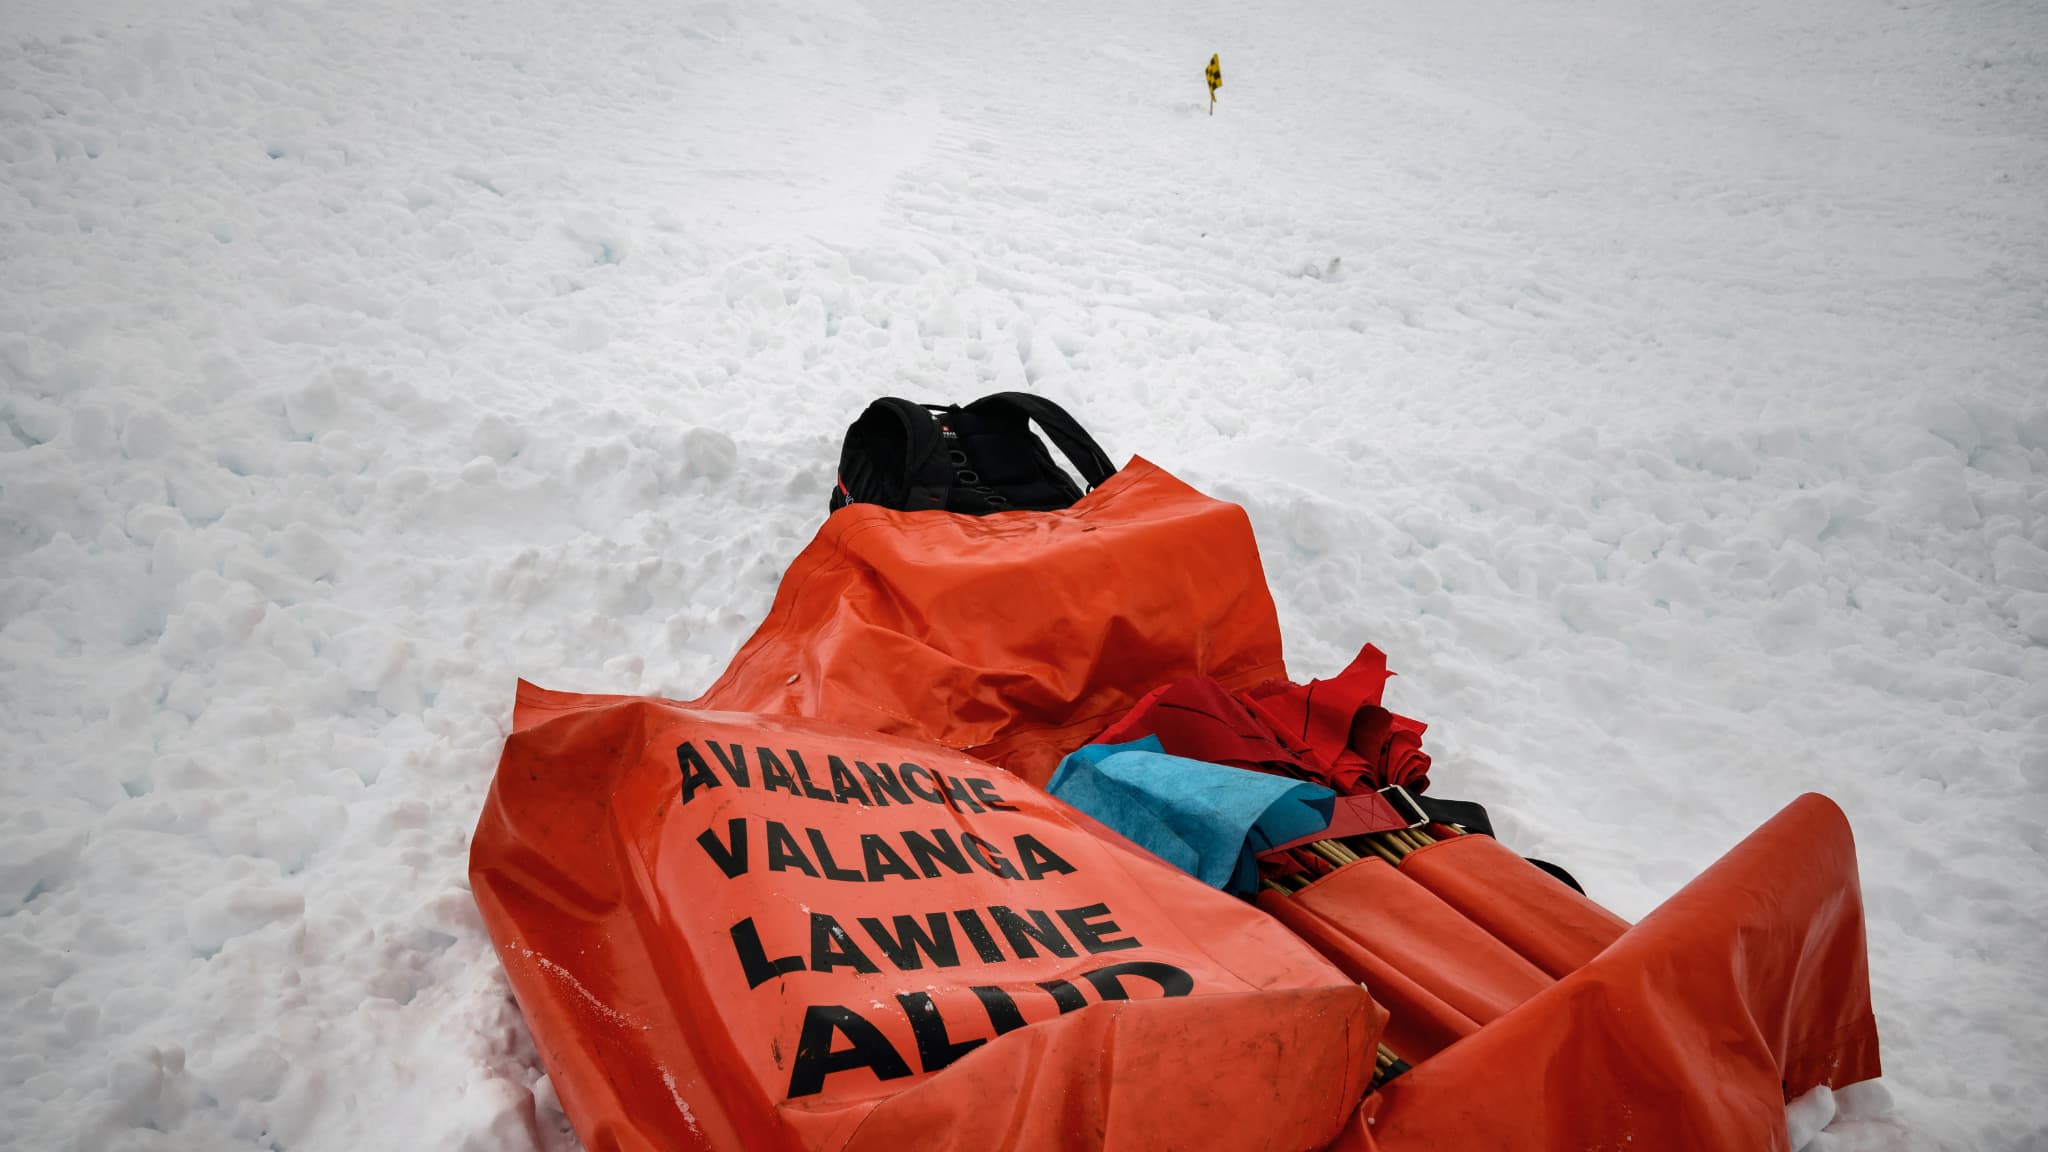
column 1332, row 732
column 1361, row 745
column 1015, row 637
column 1199, row 719
column 1687, row 1034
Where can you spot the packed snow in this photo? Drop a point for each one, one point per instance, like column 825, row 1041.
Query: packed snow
column 1663, row 386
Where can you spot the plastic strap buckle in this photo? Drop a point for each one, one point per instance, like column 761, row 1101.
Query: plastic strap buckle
column 1405, row 805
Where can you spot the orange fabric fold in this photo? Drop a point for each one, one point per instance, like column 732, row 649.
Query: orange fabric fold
column 1015, row 637
column 1687, row 1034
column 1532, row 912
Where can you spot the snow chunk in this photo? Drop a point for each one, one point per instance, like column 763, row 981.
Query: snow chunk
column 1726, row 456
column 37, row 862
column 2019, row 564
column 497, row 438
column 710, row 454
column 216, row 917
column 1806, row 1116
column 145, row 1089
column 1938, row 490
column 2030, row 611
column 1952, row 422
column 148, row 434
column 497, row 1116
column 313, row 408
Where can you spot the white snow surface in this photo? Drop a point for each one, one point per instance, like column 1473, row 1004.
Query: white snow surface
column 1664, row 386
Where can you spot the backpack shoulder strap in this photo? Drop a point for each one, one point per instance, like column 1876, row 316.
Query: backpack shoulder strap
column 885, row 451
column 1063, row 430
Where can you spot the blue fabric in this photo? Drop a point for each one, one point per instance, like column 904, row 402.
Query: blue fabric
column 1210, row 820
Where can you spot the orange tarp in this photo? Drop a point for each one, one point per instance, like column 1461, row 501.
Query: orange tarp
column 751, row 933
column 1017, row 637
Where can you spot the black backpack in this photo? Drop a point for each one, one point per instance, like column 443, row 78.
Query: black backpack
column 975, row 458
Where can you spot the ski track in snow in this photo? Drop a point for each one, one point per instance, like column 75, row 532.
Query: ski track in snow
column 1661, row 387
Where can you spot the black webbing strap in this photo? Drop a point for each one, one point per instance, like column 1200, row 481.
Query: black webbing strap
column 1063, row 430
column 1464, row 813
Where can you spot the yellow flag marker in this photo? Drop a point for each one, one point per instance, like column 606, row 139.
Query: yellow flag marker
column 1215, row 74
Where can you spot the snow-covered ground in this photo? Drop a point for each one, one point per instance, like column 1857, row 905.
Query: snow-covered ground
column 1660, row 384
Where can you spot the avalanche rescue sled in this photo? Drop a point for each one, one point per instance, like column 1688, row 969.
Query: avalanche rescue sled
column 829, row 904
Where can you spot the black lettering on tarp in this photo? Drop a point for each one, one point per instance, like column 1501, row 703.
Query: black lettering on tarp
column 804, row 774
column 1081, row 922
column 904, row 948
column 773, row 774
column 927, row 792
column 934, row 854
column 754, row 961
column 909, row 944
column 956, row 793
column 696, row 773
column 815, row 1059
column 882, row 860
column 925, row 852
column 882, row 783
column 985, row 791
column 735, row 764
column 1002, row 1011
column 1020, row 932
column 935, row 1049
column 844, row 786
column 1108, row 981
column 985, row 854
column 730, row 856
column 874, row 786
column 783, row 852
column 1065, row 995
column 832, row 948
column 832, row 869
column 1037, row 859
column 978, row 935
